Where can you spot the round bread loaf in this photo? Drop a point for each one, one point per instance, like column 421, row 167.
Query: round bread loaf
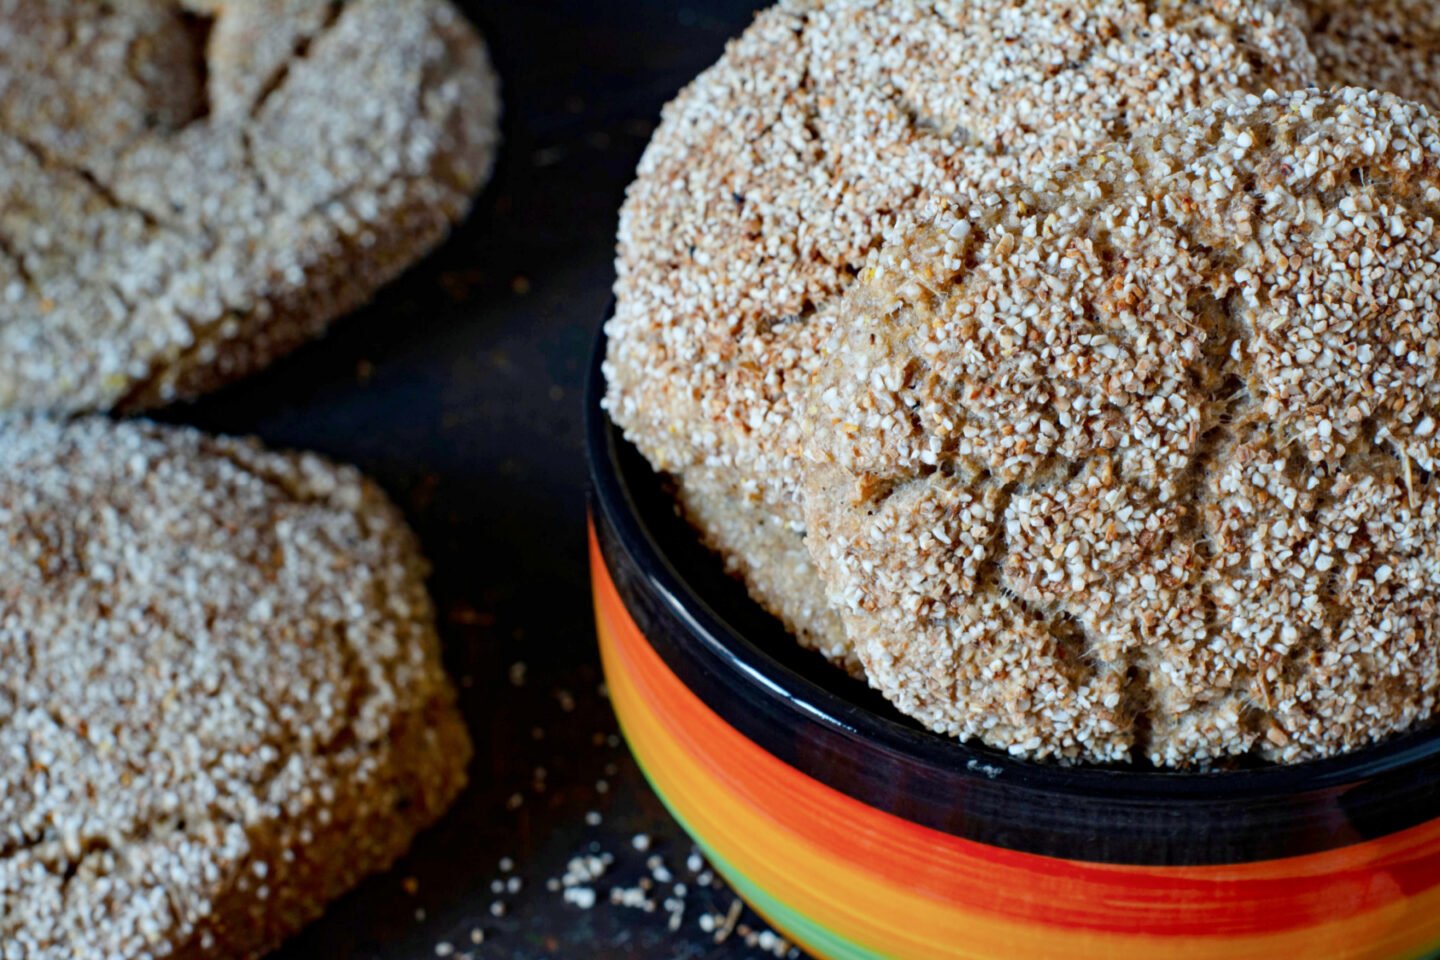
column 782, row 167
column 221, row 700
column 1138, row 462
column 191, row 188
column 1387, row 45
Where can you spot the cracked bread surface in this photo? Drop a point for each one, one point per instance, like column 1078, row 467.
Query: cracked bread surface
column 192, row 188
column 824, row 128
column 1137, row 462
column 221, row 698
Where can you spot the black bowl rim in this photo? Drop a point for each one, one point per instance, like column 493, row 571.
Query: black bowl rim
column 791, row 691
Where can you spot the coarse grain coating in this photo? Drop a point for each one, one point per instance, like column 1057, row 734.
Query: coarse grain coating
column 782, row 167
column 1387, row 45
column 192, row 188
column 1138, row 461
column 221, row 699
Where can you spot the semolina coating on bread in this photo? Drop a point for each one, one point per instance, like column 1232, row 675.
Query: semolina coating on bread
column 189, row 189
column 221, row 691
column 825, row 128
column 1137, row 463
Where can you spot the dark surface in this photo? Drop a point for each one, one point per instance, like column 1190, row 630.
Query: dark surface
column 460, row 391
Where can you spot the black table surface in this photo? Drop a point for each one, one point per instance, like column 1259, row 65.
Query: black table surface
column 459, row 389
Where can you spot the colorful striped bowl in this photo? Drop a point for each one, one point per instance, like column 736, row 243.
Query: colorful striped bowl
column 862, row 836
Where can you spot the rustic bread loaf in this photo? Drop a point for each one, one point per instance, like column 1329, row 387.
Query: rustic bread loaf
column 825, row 126
column 1138, row 462
column 190, row 189
column 221, row 698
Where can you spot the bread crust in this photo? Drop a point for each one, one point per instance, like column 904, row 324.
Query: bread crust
column 221, row 691
column 1136, row 463
column 823, row 129
column 192, row 189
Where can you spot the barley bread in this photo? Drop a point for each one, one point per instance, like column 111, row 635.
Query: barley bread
column 1138, row 462
column 221, row 698
column 822, row 129
column 191, row 188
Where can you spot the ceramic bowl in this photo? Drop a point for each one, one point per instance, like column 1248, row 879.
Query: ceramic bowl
column 862, row 836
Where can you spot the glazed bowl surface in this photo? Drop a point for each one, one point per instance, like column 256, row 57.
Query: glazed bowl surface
column 862, row 835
